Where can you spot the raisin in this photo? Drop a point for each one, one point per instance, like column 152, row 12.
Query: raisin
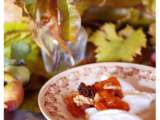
column 5, row 83
column 91, row 92
column 81, row 86
column 86, row 91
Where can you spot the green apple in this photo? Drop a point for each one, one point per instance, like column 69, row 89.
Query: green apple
column 8, row 78
column 21, row 73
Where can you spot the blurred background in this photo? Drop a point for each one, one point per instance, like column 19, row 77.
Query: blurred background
column 45, row 37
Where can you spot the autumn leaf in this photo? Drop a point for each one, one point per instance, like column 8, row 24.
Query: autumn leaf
column 150, row 4
column 114, row 47
column 127, row 31
column 152, row 32
column 84, row 5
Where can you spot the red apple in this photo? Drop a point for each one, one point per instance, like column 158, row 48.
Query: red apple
column 13, row 94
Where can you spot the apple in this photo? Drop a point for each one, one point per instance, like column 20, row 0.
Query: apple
column 20, row 73
column 153, row 59
column 13, row 93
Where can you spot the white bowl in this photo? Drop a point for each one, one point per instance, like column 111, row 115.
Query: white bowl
column 51, row 95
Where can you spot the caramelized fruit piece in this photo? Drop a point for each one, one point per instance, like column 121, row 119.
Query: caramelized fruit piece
column 112, row 101
column 117, row 103
column 100, row 105
column 85, row 106
column 98, row 86
column 107, row 94
column 117, row 93
column 112, row 81
column 73, row 108
column 104, row 94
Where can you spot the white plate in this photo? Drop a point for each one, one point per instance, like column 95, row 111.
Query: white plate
column 51, row 95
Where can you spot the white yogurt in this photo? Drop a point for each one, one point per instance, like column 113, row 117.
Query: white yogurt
column 138, row 101
column 113, row 114
column 126, row 87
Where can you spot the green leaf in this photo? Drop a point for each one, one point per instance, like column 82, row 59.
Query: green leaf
column 20, row 50
column 28, row 2
column 127, row 31
column 12, row 38
column 20, row 41
column 31, row 6
column 8, row 62
column 15, row 26
column 113, row 47
column 71, row 20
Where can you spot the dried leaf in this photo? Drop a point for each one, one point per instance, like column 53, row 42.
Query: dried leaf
column 152, row 32
column 150, row 4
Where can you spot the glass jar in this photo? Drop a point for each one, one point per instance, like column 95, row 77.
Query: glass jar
column 60, row 60
column 54, row 57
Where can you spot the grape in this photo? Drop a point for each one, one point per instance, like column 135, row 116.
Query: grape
column 153, row 59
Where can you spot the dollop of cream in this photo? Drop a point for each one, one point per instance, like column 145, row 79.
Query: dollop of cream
column 113, row 114
column 137, row 100
column 126, row 87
